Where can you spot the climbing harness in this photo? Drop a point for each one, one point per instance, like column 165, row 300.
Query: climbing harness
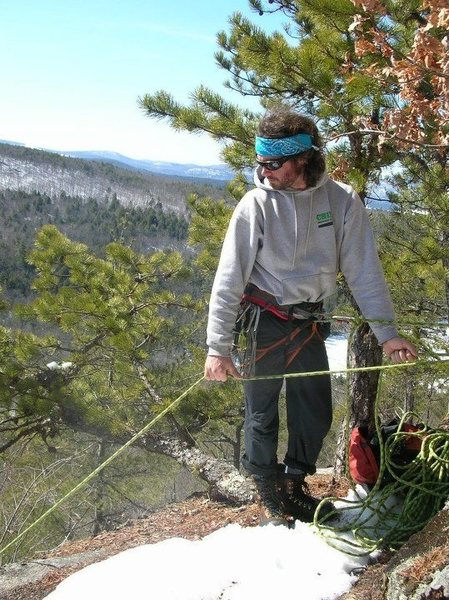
column 286, row 312
column 244, row 351
column 292, row 354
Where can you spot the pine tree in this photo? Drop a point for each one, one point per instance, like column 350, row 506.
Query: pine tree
column 120, row 348
column 404, row 46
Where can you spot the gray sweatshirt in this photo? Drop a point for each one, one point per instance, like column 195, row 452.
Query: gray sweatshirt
column 292, row 244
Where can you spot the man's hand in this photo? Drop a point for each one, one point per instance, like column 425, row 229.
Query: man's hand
column 217, row 368
column 399, row 350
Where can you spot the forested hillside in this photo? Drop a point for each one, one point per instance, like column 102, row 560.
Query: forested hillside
column 31, row 170
column 90, row 202
column 91, row 221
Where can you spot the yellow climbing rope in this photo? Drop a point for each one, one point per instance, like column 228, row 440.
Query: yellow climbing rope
column 393, row 511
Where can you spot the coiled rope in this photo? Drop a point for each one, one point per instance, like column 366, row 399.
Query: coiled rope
column 391, row 512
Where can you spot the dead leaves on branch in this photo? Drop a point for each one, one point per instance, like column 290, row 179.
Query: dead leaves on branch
column 418, row 76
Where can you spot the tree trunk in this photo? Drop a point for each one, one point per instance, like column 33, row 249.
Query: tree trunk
column 224, row 480
column 363, row 351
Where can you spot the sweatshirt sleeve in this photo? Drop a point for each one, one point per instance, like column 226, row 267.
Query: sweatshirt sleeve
column 360, row 264
column 242, row 240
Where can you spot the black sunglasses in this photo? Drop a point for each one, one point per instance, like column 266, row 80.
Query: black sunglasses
column 274, row 165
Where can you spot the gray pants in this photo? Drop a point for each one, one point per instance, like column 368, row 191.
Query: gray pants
column 293, row 346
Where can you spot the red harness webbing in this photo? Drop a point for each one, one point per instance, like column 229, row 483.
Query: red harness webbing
column 273, row 308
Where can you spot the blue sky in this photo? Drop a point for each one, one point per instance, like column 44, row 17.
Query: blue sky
column 72, row 70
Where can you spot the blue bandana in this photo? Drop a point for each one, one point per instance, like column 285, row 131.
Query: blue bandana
column 285, row 146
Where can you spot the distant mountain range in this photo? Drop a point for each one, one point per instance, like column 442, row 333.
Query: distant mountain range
column 219, row 172
column 376, row 200
column 55, row 173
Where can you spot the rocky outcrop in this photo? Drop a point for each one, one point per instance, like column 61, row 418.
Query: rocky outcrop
column 419, row 570
column 19, row 575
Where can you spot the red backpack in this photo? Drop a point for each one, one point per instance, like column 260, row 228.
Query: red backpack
column 363, row 465
column 364, row 451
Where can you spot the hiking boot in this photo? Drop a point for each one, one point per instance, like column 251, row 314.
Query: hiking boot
column 269, row 499
column 298, row 502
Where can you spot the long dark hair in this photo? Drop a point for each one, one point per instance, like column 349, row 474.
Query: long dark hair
column 282, row 122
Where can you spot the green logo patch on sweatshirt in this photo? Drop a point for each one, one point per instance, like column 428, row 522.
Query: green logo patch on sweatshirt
column 324, row 219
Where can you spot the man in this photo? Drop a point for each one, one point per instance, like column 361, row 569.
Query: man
column 285, row 244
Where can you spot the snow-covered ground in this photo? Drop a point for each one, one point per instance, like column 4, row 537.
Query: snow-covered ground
column 233, row 563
